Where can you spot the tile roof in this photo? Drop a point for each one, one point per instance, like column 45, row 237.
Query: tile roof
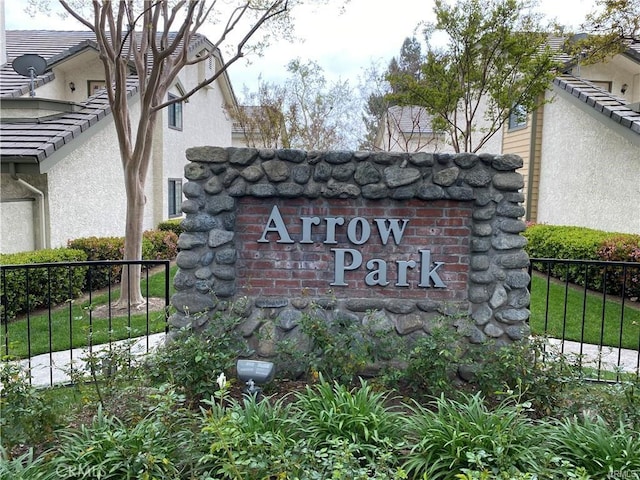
column 32, row 140
column 613, row 107
column 35, row 139
column 602, row 101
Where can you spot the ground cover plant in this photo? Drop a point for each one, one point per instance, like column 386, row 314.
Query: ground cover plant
column 523, row 420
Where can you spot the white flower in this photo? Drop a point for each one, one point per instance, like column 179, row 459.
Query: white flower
column 221, row 381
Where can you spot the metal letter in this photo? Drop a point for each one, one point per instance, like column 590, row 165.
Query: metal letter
column 352, row 229
column 394, row 226
column 403, row 265
column 278, row 227
column 340, row 267
column 307, row 222
column 427, row 273
column 331, row 228
column 379, row 276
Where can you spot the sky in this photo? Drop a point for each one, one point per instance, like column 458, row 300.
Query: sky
column 344, row 44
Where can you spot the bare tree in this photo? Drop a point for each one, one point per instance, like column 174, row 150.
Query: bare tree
column 307, row 111
column 408, row 129
column 261, row 120
column 154, row 37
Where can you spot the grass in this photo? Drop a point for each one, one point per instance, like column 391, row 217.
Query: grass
column 71, row 325
column 615, row 330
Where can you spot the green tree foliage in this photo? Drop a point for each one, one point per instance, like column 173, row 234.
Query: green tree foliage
column 609, row 27
column 496, row 59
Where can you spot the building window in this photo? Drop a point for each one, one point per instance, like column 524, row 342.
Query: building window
column 175, row 197
column 175, row 113
column 518, row 117
column 94, row 86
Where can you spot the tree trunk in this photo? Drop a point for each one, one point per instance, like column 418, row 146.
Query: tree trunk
column 130, row 292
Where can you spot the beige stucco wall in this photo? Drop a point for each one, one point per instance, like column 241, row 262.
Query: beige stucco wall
column 593, row 177
column 86, row 189
column 205, row 122
column 17, row 231
column 21, row 213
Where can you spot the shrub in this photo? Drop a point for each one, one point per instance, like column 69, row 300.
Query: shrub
column 161, row 245
column 449, row 436
column 533, row 367
column 46, row 285
column 431, row 363
column 189, row 359
column 594, row 445
column 339, row 347
column 156, row 245
column 26, row 417
column 100, row 249
column 329, row 412
column 107, row 448
column 622, row 248
column 174, row 226
column 579, row 243
column 250, row 439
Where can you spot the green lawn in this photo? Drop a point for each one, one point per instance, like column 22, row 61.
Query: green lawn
column 579, row 306
column 71, row 327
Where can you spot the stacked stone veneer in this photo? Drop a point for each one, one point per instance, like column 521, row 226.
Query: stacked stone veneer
column 465, row 209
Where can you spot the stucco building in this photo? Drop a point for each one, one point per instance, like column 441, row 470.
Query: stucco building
column 581, row 149
column 62, row 176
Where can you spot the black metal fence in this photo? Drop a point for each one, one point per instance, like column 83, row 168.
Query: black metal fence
column 53, row 314
column 589, row 310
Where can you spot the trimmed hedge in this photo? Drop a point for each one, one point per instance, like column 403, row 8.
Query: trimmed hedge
column 174, row 226
column 580, row 243
column 156, row 245
column 47, row 286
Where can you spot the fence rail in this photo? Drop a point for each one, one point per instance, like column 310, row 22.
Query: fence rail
column 589, row 309
column 54, row 313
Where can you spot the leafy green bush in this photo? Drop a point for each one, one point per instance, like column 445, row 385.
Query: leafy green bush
column 161, row 245
column 100, row 249
column 430, row 364
column 579, row 243
column 338, row 347
column 622, row 248
column 249, row 439
column 449, row 436
column 189, row 359
column 328, row 412
column 107, row 448
column 26, row 417
column 46, row 285
column 156, row 245
column 260, row 438
column 533, row 367
column 174, row 226
column 597, row 447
